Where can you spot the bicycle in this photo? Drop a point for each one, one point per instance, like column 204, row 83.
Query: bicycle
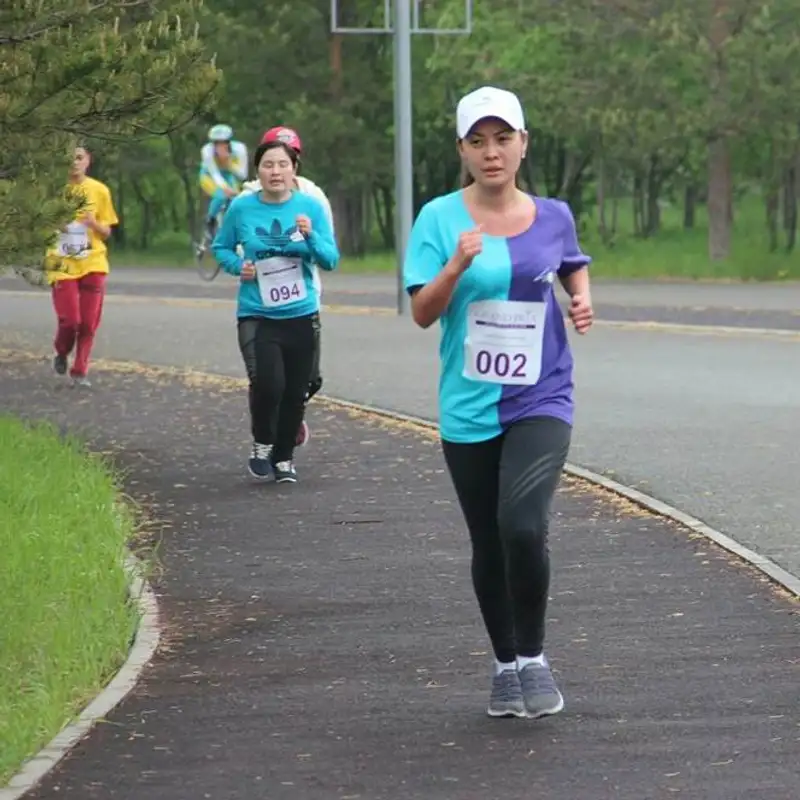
column 208, row 271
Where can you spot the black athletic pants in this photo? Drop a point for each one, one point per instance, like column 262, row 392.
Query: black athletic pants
column 279, row 357
column 315, row 384
column 505, row 487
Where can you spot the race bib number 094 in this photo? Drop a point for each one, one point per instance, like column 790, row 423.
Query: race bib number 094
column 504, row 342
column 280, row 281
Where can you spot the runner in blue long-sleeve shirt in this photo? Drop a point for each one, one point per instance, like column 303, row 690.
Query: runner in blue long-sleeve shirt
column 283, row 234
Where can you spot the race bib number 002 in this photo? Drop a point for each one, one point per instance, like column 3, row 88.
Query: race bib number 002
column 280, row 281
column 504, row 342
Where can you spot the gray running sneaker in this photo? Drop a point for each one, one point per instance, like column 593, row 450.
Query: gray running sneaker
column 539, row 691
column 506, row 699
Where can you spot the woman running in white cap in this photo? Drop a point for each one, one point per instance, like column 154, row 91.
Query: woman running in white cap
column 483, row 261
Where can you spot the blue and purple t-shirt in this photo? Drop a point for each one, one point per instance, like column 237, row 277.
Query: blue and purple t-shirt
column 504, row 350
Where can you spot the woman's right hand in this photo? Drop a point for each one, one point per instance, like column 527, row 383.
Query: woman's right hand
column 248, row 271
column 470, row 244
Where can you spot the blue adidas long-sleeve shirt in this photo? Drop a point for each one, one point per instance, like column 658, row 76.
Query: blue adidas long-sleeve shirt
column 285, row 260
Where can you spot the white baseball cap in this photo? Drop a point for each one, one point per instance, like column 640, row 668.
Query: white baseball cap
column 488, row 101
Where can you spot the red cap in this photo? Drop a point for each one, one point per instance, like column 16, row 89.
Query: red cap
column 286, row 136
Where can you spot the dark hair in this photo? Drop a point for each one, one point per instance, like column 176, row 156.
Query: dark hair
column 262, row 148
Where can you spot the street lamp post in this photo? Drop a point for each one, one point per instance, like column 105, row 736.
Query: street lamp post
column 401, row 28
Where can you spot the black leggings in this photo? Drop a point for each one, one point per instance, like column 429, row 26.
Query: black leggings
column 278, row 355
column 505, row 487
column 315, row 384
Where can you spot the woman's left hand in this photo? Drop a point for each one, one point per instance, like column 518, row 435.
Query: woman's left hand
column 303, row 224
column 580, row 312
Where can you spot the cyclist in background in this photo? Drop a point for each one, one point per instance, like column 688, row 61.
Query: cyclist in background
column 224, row 166
column 289, row 137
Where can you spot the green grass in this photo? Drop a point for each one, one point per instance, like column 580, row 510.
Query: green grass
column 676, row 253
column 673, row 253
column 65, row 619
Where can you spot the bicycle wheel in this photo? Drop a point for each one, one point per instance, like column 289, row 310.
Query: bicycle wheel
column 206, row 265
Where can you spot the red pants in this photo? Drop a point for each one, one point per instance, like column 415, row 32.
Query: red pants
column 79, row 306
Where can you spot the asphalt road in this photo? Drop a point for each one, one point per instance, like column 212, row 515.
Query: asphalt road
column 754, row 305
column 706, row 421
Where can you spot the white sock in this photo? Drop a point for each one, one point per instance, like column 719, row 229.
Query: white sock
column 523, row 661
column 502, row 666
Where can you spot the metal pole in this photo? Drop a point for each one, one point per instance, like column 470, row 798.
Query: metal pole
column 403, row 165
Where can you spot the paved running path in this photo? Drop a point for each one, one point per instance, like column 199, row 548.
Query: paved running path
column 322, row 641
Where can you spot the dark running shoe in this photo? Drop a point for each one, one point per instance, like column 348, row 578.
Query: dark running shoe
column 259, row 464
column 285, row 472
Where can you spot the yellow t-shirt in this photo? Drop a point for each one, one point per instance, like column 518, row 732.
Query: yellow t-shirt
column 79, row 250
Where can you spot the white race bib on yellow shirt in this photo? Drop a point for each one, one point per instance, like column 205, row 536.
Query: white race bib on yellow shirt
column 74, row 241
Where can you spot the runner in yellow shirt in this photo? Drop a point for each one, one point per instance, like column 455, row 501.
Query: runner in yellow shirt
column 79, row 262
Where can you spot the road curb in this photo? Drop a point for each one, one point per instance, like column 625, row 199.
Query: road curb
column 145, row 643
column 775, row 572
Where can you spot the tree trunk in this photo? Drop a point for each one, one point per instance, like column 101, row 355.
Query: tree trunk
column 601, row 200
column 119, row 203
column 614, row 214
column 772, row 202
column 720, row 183
column 720, row 191
column 653, row 210
column 689, row 206
column 638, row 204
column 177, row 151
column 790, row 207
column 348, row 208
column 384, row 214
column 144, row 205
column 573, row 182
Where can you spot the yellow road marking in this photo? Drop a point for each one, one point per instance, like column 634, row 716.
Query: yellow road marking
column 727, row 331
column 202, row 302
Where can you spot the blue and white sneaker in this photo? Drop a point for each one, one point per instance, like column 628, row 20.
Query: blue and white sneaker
column 259, row 464
column 539, row 690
